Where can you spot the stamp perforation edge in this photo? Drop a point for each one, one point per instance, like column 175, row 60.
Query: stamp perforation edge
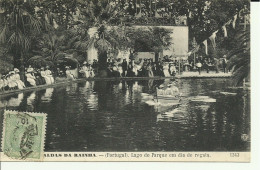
column 3, row 157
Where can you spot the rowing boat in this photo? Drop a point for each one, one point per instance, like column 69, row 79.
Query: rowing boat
column 167, row 99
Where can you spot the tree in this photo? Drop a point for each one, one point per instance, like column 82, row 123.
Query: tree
column 99, row 14
column 240, row 57
column 19, row 29
column 52, row 47
column 64, row 12
column 150, row 39
column 50, row 50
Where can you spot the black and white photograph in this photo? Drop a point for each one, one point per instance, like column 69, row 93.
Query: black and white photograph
column 121, row 76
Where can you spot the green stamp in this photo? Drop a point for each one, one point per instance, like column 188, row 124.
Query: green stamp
column 23, row 135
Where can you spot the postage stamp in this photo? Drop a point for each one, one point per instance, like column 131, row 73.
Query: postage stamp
column 23, row 135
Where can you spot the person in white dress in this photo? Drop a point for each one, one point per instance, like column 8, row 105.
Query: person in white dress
column 30, row 77
column 160, row 90
column 69, row 74
column 46, row 78
column 172, row 69
column 166, row 70
column 11, row 80
column 91, row 71
column 49, row 74
column 18, row 80
column 120, row 70
column 85, row 70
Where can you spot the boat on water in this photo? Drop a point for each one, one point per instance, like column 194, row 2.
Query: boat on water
column 169, row 95
column 167, row 99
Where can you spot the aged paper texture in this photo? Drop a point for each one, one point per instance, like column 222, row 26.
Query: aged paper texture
column 125, row 80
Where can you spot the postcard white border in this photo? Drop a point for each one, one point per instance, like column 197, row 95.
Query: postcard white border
column 255, row 27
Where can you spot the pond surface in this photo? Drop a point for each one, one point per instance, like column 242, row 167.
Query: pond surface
column 122, row 116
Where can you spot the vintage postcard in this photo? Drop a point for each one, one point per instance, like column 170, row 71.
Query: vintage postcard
column 125, row 80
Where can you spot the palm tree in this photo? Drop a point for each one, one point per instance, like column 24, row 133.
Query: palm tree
column 53, row 47
column 99, row 14
column 240, row 58
column 20, row 27
column 50, row 50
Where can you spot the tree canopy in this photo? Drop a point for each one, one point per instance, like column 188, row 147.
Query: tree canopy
column 26, row 23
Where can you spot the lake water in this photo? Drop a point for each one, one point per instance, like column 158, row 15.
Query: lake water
column 122, row 116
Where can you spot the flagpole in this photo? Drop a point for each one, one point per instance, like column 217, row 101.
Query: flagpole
column 194, row 61
column 135, row 7
column 244, row 22
column 150, row 8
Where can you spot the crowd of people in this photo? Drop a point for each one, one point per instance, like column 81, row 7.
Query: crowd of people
column 11, row 81
column 207, row 64
column 33, row 77
column 170, row 90
column 114, row 68
column 140, row 68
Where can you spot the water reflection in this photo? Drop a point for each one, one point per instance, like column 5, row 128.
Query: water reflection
column 47, row 95
column 120, row 116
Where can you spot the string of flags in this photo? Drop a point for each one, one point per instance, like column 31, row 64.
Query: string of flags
column 213, row 36
column 205, row 42
column 225, row 30
column 213, row 39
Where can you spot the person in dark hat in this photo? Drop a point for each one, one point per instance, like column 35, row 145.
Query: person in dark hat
column 95, row 66
column 124, row 67
column 216, row 63
column 30, row 77
column 130, row 72
column 85, row 70
column 224, row 64
column 48, row 73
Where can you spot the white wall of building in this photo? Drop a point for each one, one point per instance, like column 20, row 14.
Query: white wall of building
column 92, row 51
column 178, row 48
column 180, row 40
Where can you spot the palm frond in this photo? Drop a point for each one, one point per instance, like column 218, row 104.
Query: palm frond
column 4, row 33
column 240, row 58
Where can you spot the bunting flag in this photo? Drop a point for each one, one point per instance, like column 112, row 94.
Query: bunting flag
column 194, row 50
column 157, row 15
column 197, row 48
column 46, row 18
column 206, row 46
column 225, row 30
column 234, row 21
column 212, row 39
column 190, row 14
column 213, row 36
column 139, row 15
column 55, row 25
